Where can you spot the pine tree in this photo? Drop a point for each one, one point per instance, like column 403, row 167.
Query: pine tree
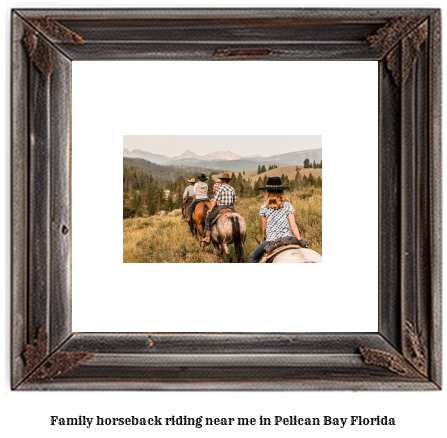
column 240, row 185
column 306, row 163
column 210, row 183
column 233, row 181
column 264, row 181
column 298, row 182
column 169, row 206
column 263, row 169
column 151, row 208
column 259, row 169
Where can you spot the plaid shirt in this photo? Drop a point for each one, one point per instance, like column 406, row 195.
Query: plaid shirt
column 225, row 195
column 216, row 186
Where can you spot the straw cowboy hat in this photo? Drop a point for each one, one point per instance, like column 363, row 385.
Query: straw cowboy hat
column 202, row 177
column 192, row 180
column 225, row 175
column 274, row 183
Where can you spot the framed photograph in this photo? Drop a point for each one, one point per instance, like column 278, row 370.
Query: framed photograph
column 162, row 193
column 90, row 313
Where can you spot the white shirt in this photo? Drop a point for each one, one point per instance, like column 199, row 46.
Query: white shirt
column 189, row 191
column 201, row 190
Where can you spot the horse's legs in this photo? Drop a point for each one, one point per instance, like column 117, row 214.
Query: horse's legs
column 199, row 228
column 219, row 252
column 191, row 228
column 227, row 252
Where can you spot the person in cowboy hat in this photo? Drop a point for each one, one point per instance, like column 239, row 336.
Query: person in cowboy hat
column 223, row 199
column 217, row 185
column 200, row 193
column 277, row 216
column 189, row 191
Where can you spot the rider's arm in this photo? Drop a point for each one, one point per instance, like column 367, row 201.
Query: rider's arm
column 264, row 227
column 293, row 226
column 185, row 193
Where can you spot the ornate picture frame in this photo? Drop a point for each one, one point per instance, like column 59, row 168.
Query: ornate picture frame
column 405, row 353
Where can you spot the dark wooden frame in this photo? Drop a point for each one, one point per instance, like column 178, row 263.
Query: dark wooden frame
column 405, row 354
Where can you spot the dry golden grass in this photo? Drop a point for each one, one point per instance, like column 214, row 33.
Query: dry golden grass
column 163, row 239
column 167, row 239
column 308, row 216
column 289, row 171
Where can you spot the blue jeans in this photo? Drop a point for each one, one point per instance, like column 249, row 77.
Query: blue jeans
column 193, row 205
column 258, row 252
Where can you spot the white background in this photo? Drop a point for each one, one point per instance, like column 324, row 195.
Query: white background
column 183, row 98
column 417, row 414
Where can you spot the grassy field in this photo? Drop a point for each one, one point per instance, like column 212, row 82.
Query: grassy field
column 167, row 239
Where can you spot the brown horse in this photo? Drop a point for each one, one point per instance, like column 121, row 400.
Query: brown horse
column 229, row 228
column 185, row 213
column 198, row 218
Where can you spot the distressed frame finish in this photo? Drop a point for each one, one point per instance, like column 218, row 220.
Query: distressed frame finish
column 405, row 354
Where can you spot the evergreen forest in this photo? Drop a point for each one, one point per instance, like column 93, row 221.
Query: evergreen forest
column 149, row 188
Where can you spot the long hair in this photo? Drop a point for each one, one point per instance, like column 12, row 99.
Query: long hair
column 275, row 199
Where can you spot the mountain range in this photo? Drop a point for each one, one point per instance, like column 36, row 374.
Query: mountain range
column 228, row 160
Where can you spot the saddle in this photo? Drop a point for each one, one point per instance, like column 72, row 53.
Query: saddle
column 269, row 256
column 225, row 211
column 280, row 245
column 288, row 240
column 195, row 206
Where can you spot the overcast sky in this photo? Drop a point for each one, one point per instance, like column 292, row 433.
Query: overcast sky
column 264, row 145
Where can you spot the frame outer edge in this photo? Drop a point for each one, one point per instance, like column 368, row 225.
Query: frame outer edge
column 60, row 202
column 435, row 138
column 19, row 199
column 350, row 13
column 23, row 327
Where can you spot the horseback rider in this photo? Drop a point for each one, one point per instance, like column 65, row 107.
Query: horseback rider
column 217, row 185
column 223, row 199
column 189, row 191
column 200, row 194
column 277, row 216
